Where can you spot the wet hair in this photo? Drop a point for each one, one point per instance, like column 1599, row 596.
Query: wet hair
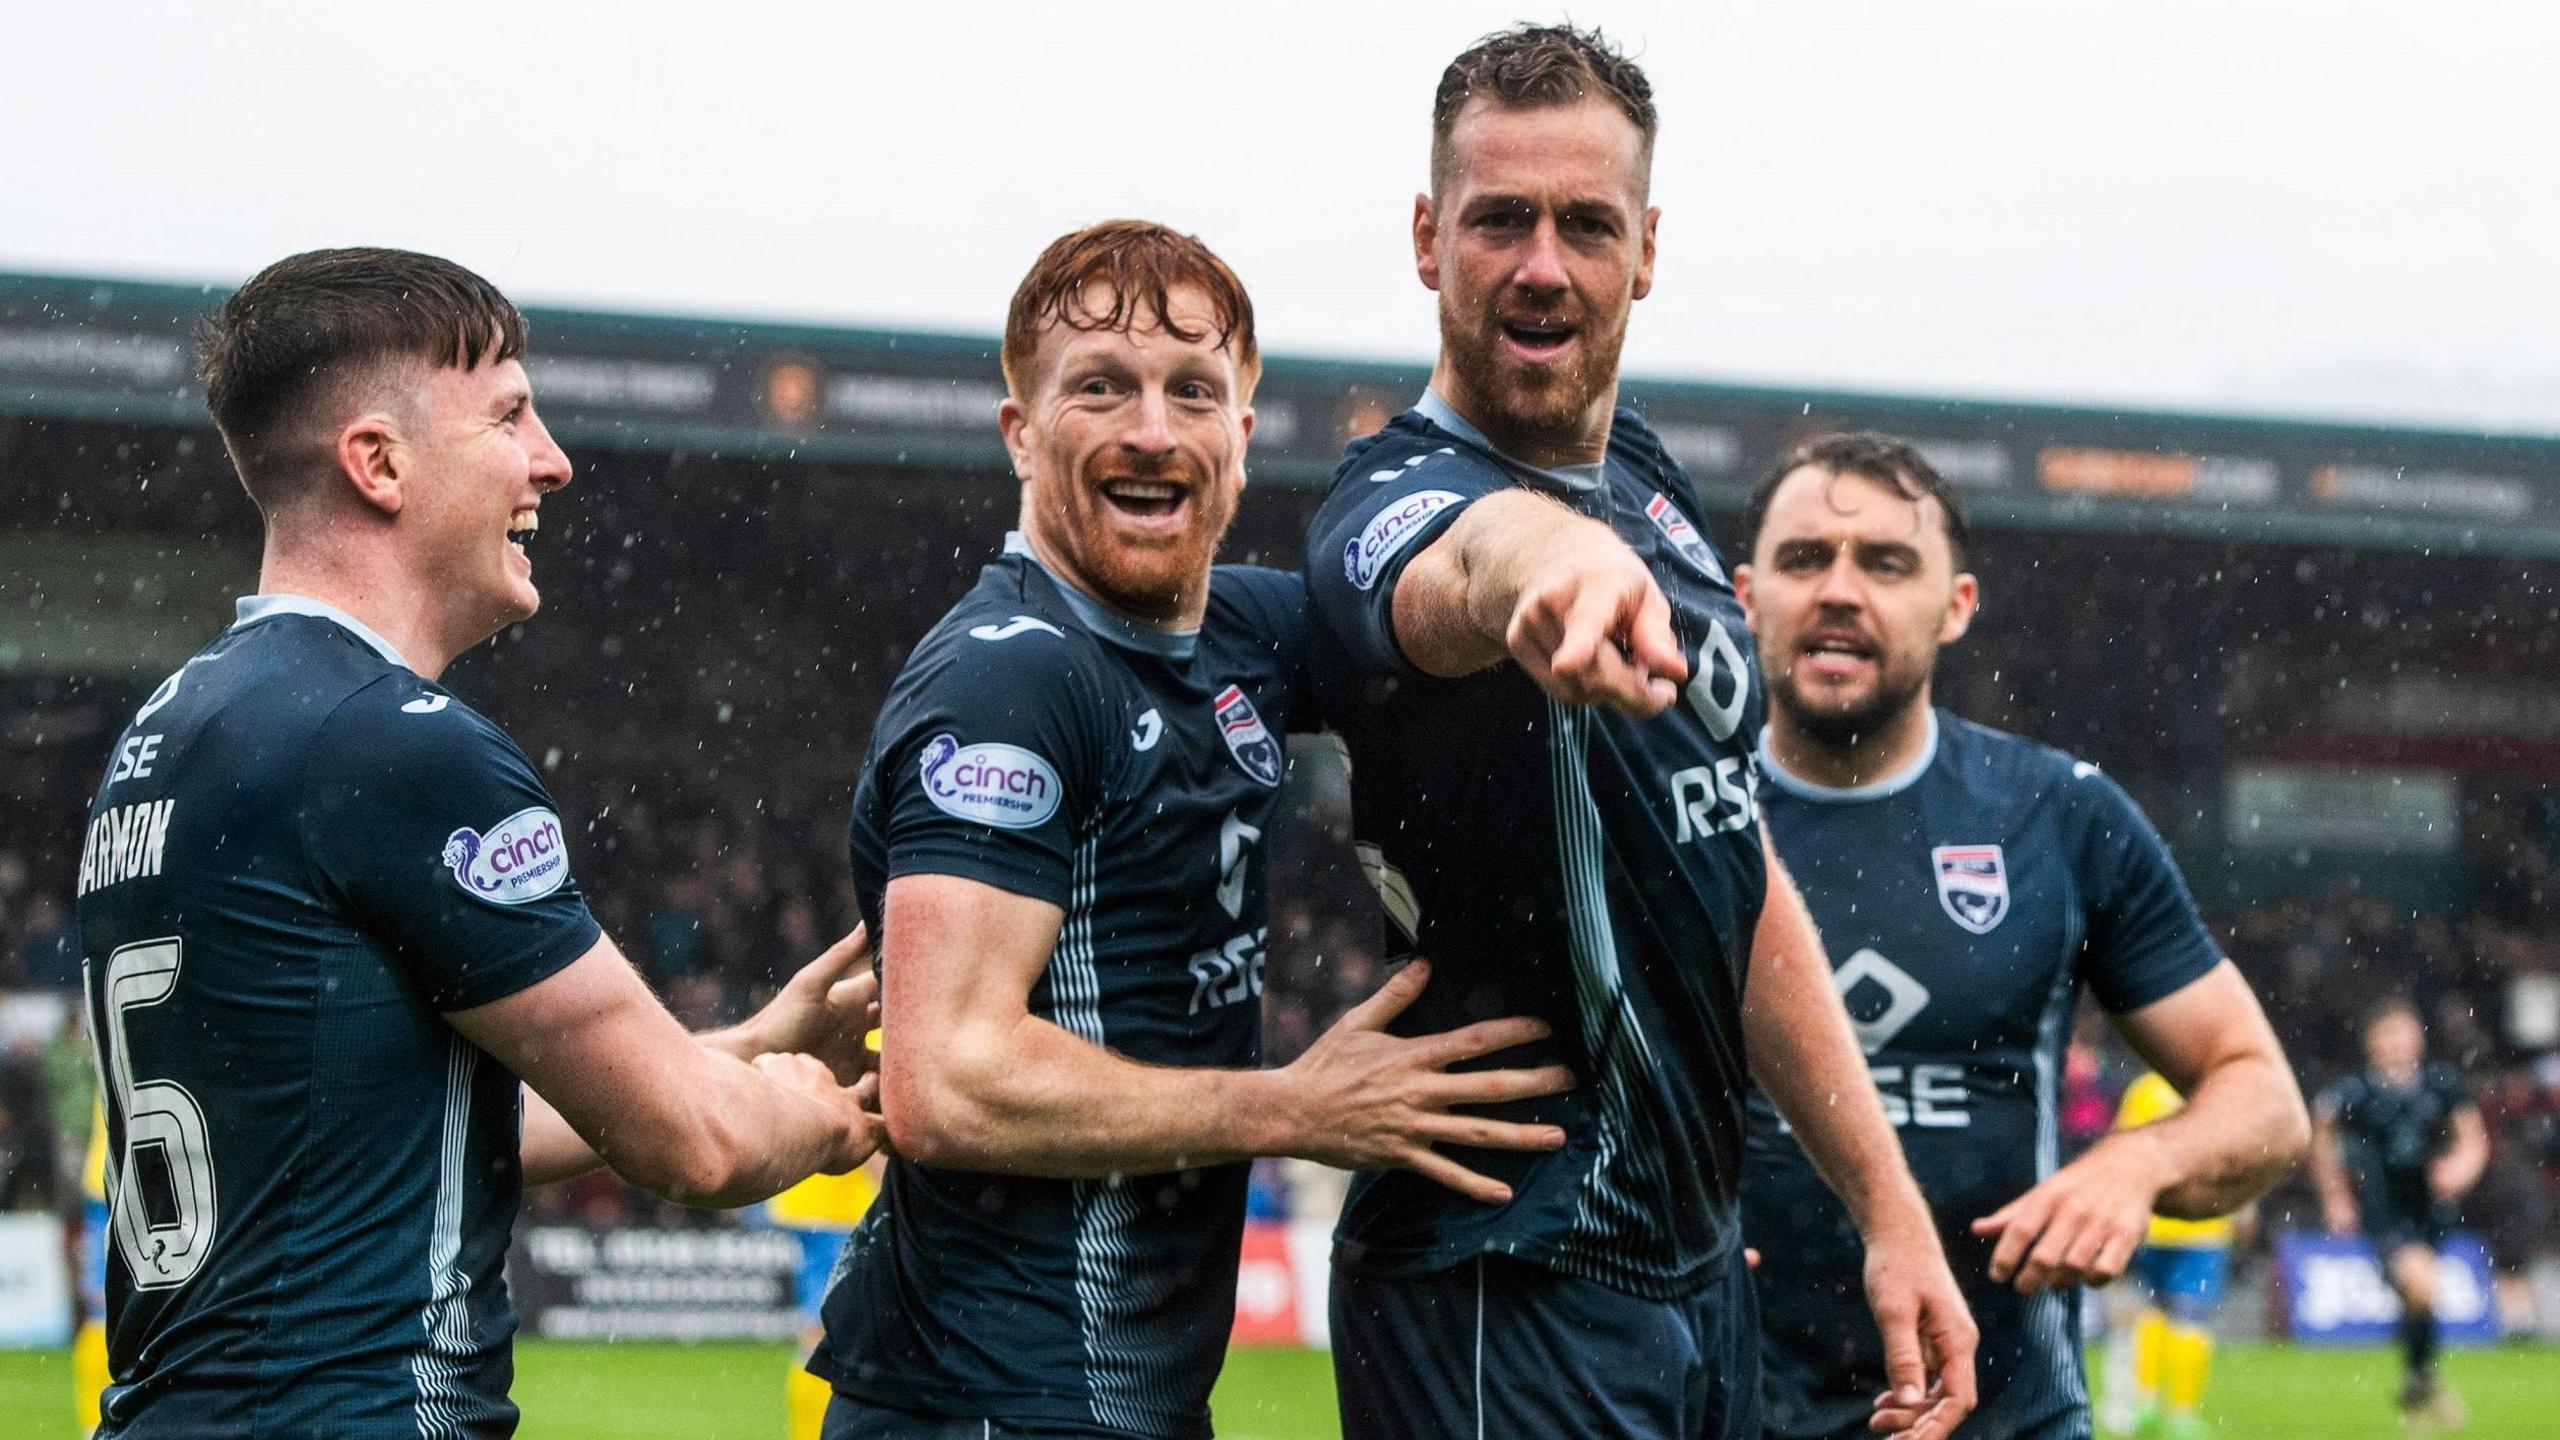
column 1529, row 66
column 1138, row 264
column 306, row 324
column 1888, row 460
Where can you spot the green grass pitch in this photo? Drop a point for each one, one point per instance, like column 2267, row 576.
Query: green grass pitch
column 734, row 1392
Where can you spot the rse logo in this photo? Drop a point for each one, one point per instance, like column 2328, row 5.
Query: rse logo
column 1230, row 973
column 1722, row 798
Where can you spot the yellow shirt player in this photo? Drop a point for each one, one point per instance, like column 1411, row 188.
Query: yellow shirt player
column 822, row 1210
column 89, row 1346
column 2156, row 1363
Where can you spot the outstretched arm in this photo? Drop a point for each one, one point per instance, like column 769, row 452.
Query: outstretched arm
column 971, row 1079
column 825, row 1011
column 670, row 1115
column 1807, row 1060
column 2242, row 1128
column 1521, row 576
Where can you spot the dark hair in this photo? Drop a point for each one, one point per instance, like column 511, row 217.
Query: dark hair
column 1139, row 262
column 1528, row 66
column 302, row 324
column 2396, row 1003
column 1888, row 460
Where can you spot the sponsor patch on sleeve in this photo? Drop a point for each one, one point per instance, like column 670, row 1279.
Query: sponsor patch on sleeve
column 516, row 861
column 989, row 784
column 1366, row 557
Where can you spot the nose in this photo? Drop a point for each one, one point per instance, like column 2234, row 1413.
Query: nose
column 1839, row 588
column 1542, row 260
column 1150, row 429
column 550, row 464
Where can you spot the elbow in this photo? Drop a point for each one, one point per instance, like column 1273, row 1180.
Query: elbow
column 931, row 1119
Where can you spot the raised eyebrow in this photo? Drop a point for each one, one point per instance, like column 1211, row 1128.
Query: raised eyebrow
column 521, row 395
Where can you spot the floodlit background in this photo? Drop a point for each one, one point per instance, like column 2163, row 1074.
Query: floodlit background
column 2237, row 324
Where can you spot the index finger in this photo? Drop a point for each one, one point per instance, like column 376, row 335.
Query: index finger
column 1484, row 1037
column 1651, row 639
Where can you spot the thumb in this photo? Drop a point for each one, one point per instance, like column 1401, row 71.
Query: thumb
column 1402, row 989
column 1906, row 1369
column 839, row 959
column 1995, row 1222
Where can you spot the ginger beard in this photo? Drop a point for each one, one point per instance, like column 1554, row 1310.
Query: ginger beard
column 1538, row 368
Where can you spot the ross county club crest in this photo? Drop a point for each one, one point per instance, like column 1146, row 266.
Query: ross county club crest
column 1973, row 885
column 1248, row 739
column 1684, row 537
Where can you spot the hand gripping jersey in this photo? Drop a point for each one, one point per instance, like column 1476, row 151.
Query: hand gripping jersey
column 1600, row 872
column 1045, row 746
column 301, row 854
column 1965, row 903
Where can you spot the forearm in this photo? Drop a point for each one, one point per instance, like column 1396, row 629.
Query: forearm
column 548, row 1147
column 1804, row 1056
column 2241, row 1131
column 1455, row 600
column 1030, row 1098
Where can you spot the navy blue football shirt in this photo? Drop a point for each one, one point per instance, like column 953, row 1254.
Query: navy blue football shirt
column 1597, row 871
column 301, row 854
column 1043, row 745
column 2390, row 1135
column 1965, row 904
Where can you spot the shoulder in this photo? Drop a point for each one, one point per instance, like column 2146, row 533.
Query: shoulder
column 1411, row 448
column 1258, row 599
column 2342, row 1095
column 1014, row 644
column 398, row 723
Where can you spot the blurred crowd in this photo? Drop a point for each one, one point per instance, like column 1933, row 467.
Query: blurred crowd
column 718, row 898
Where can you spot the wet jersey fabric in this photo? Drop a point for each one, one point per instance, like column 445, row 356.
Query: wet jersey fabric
column 2390, row 1134
column 1043, row 745
column 1503, row 1348
column 1965, row 903
column 301, row 853
column 1597, row 871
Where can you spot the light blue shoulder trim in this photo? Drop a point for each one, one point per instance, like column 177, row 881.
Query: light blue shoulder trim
column 1119, row 629
column 267, row 607
column 1579, row 479
column 1893, row 784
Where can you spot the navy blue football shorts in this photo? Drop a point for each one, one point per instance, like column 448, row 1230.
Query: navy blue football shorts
column 1501, row 1349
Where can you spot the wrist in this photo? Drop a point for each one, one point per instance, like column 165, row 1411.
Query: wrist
column 1260, row 1120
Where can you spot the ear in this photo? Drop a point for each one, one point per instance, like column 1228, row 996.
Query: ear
column 1426, row 242
column 1244, row 422
column 1644, row 259
column 1742, row 593
column 1962, row 602
column 372, row 458
column 1013, row 418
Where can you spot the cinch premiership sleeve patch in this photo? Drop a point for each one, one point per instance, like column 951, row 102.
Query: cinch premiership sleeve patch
column 1386, row 506
column 990, row 768
column 433, row 830
column 2146, row 939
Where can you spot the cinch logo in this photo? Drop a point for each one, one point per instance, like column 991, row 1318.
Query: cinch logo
column 1001, row 785
column 522, row 858
column 1366, row 557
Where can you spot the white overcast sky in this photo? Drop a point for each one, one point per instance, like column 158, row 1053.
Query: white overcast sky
column 2347, row 208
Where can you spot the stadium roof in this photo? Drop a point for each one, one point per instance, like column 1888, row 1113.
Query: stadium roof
column 117, row 350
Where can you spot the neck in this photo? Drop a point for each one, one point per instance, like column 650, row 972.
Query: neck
column 1582, row 441
column 1862, row 759
column 390, row 602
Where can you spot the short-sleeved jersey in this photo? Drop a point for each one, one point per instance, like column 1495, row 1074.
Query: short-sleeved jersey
column 2391, row 1133
column 2149, row 1100
column 1043, row 745
column 301, row 854
column 1597, row 871
column 1964, row 903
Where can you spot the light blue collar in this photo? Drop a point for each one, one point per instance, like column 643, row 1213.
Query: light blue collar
column 266, row 607
column 1893, row 784
column 1580, row 479
column 1111, row 625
